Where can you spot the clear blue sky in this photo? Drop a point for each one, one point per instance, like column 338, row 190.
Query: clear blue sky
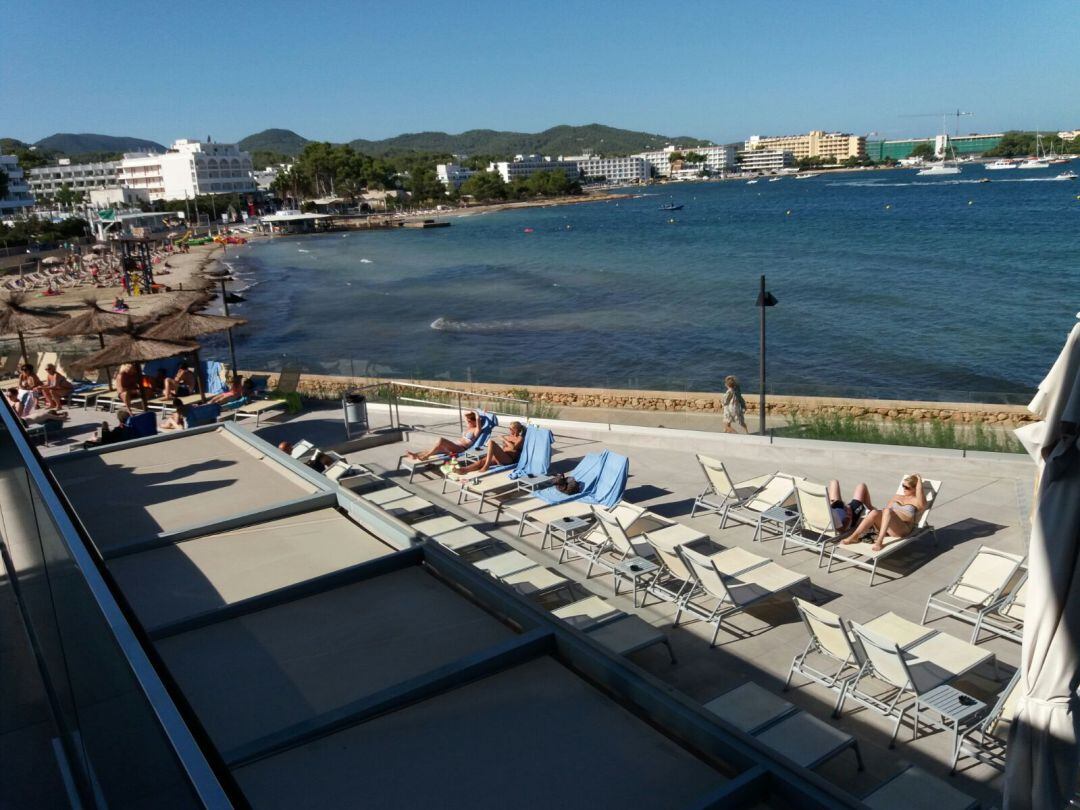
column 339, row 70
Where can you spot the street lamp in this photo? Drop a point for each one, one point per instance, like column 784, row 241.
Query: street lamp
column 223, row 276
column 765, row 299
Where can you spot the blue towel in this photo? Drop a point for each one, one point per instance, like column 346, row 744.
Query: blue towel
column 485, row 422
column 198, row 415
column 142, row 425
column 170, row 365
column 602, row 477
column 214, row 374
column 535, row 453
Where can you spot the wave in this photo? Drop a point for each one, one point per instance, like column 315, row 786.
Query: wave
column 365, row 261
column 441, row 324
column 301, row 250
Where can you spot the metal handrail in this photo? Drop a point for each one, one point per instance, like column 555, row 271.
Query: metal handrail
column 460, row 393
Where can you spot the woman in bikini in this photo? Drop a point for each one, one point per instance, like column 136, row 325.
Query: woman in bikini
column 499, row 453
column 451, row 448
column 897, row 519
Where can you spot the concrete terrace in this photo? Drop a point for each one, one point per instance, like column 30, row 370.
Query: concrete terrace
column 984, row 501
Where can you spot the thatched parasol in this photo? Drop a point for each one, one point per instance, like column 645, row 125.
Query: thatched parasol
column 134, row 347
column 17, row 319
column 92, row 320
column 187, row 323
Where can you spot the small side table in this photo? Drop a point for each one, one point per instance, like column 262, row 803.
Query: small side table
column 953, row 707
column 781, row 517
column 633, row 568
column 531, row 483
column 564, row 529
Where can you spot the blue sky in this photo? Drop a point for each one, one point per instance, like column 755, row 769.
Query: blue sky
column 722, row 70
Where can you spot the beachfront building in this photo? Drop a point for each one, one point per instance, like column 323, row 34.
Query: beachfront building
column 524, row 166
column 452, row 175
column 264, row 178
column 632, row 169
column 829, row 146
column 189, row 168
column 46, row 181
column 972, row 144
column 117, row 197
column 19, row 197
column 718, row 159
column 766, row 160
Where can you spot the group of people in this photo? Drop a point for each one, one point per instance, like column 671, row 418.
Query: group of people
column 505, row 451
column 31, row 392
column 859, row 517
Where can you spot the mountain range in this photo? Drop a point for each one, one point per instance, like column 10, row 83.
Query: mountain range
column 560, row 140
column 70, row 144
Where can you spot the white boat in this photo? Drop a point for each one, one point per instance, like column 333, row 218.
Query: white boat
column 997, row 165
column 801, row 176
column 774, row 179
column 1034, row 163
column 750, row 182
column 1069, row 175
column 939, row 169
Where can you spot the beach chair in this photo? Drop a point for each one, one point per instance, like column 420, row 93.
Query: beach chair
column 534, row 460
column 733, row 592
column 485, row 423
column 602, row 479
column 288, row 380
column 777, row 491
column 986, row 739
column 303, row 449
column 615, row 536
column 862, row 555
column 915, row 789
column 1005, row 617
column 257, row 408
column 143, row 424
column 816, row 528
column 787, row 730
column 199, row 415
column 720, row 491
column 620, row 632
column 830, row 639
column 977, row 587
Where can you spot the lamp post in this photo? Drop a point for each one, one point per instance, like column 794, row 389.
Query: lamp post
column 765, row 299
column 223, row 276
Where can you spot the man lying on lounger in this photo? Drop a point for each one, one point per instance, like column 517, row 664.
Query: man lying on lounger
column 499, row 453
column 898, row 518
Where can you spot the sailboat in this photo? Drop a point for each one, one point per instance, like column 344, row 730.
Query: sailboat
column 1039, row 161
column 943, row 166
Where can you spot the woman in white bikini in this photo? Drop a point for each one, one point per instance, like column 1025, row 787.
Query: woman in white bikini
column 897, row 519
column 450, row 448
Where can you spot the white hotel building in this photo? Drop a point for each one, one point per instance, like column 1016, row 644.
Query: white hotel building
column 189, row 168
column 45, row 181
column 766, row 160
column 718, row 159
column 18, row 198
column 527, row 165
column 452, row 175
column 632, row 169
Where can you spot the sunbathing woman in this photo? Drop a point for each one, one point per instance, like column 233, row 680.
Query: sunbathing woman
column 450, row 448
column 499, row 453
column 897, row 519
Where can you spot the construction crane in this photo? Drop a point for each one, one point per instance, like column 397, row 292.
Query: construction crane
column 942, row 115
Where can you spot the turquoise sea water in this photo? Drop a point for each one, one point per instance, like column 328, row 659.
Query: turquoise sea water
column 888, row 285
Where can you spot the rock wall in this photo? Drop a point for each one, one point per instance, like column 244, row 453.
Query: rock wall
column 332, row 387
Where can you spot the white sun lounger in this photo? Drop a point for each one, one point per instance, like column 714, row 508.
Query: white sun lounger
column 720, row 491
column 862, row 554
column 830, row 639
column 1005, row 617
column 915, row 789
column 986, row 739
column 816, row 528
column 779, row 490
column 979, row 585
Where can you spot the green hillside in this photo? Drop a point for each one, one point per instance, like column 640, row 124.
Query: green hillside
column 279, row 141
column 69, row 144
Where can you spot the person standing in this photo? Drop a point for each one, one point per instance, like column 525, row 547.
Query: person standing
column 734, row 405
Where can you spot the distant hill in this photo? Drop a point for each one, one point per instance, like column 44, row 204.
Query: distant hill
column 281, row 141
column 560, row 140
column 69, row 144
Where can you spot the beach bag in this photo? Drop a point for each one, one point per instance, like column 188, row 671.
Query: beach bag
column 567, row 484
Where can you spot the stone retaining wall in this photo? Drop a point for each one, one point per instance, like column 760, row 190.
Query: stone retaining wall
column 331, row 387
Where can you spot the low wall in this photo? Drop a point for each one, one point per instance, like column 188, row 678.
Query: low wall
column 332, row 387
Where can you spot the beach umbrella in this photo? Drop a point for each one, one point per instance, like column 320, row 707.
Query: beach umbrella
column 18, row 319
column 132, row 346
column 52, row 260
column 92, row 320
column 1041, row 766
column 186, row 323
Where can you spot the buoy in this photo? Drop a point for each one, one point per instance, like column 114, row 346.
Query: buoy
column 887, row 206
column 971, row 202
column 788, row 212
column 528, row 230
column 671, row 221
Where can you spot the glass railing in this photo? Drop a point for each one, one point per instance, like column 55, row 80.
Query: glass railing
column 124, row 741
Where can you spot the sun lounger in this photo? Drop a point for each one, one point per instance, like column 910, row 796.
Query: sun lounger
column 720, row 491
column 979, row 585
column 486, row 422
column 732, row 592
column 534, row 460
column 505, row 564
column 986, row 739
column 816, row 528
column 303, row 450
column 256, row 408
column 1005, row 617
column 830, row 639
column 915, row 789
column 602, row 480
column 790, row 732
column 613, row 537
column 778, row 490
column 863, row 555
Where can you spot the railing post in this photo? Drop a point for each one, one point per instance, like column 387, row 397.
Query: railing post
column 461, row 422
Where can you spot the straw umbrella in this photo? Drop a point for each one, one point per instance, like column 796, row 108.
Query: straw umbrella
column 132, row 346
column 17, row 319
column 186, row 323
column 92, row 320
column 1041, row 767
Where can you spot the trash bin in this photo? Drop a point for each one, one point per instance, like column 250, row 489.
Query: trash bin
column 356, row 415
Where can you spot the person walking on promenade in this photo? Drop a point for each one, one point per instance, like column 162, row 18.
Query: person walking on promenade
column 734, row 405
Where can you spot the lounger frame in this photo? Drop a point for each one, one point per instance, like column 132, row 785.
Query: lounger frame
column 947, row 602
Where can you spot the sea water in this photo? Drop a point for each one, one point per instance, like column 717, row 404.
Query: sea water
column 888, row 285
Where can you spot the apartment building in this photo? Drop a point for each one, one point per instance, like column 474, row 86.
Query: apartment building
column 631, row 169
column 838, row 146
column 45, row 181
column 189, row 168
column 18, row 197
column 527, row 165
column 718, row 159
column 766, row 160
column 452, row 175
